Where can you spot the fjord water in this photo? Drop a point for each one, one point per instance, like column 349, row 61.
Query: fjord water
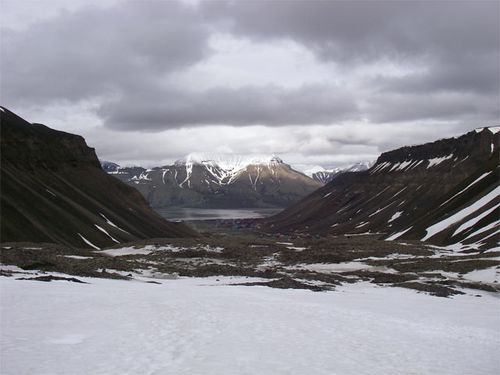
column 189, row 214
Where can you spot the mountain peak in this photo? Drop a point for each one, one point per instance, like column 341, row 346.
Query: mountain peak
column 326, row 175
column 211, row 180
column 229, row 162
column 494, row 129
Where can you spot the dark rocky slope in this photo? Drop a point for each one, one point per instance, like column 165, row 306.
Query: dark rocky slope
column 205, row 183
column 54, row 190
column 445, row 192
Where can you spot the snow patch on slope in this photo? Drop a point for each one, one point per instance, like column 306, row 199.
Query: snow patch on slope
column 397, row 235
column 113, row 224
column 106, row 233
column 467, row 188
column 474, row 220
column 493, row 129
column 395, row 216
column 436, row 161
column 438, row 227
column 88, row 242
column 484, row 229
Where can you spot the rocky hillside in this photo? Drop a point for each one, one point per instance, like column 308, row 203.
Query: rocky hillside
column 207, row 182
column 54, row 190
column 445, row 192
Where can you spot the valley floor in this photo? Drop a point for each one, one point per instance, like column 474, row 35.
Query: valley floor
column 237, row 302
column 207, row 326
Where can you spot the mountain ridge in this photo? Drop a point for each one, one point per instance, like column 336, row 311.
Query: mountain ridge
column 207, row 182
column 53, row 190
column 407, row 191
column 326, row 175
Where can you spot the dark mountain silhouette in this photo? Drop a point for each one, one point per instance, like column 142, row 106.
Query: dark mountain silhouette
column 54, row 190
column 445, row 192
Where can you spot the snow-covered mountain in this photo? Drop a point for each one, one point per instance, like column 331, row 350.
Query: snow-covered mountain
column 220, row 181
column 109, row 166
column 326, row 175
column 445, row 192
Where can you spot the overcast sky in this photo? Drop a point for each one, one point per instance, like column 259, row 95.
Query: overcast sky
column 317, row 82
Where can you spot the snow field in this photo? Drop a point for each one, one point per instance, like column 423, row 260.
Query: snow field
column 194, row 326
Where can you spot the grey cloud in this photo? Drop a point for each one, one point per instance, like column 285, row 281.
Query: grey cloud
column 459, row 40
column 396, row 107
column 468, row 73
column 367, row 29
column 123, row 56
column 95, row 52
column 265, row 105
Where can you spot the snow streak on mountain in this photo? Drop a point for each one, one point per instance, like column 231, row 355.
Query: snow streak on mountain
column 219, row 181
column 445, row 192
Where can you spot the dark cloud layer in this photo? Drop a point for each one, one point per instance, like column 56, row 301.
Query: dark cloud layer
column 125, row 56
column 368, row 29
column 222, row 106
column 457, row 41
column 397, row 107
column 95, row 52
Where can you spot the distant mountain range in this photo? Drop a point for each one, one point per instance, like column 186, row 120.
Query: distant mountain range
column 326, row 175
column 54, row 190
column 208, row 181
column 445, row 192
